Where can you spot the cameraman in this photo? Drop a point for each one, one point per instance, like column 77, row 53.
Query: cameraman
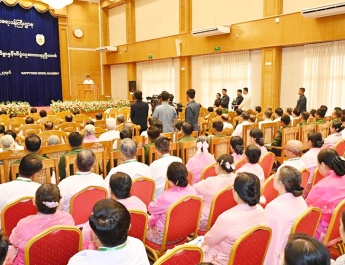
column 192, row 109
column 165, row 113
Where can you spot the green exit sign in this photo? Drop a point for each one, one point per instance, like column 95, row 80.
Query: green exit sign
column 217, row 48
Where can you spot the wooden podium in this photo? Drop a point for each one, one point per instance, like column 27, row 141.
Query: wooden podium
column 88, row 92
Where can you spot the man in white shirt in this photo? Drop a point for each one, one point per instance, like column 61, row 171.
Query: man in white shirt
column 131, row 166
column 24, row 185
column 243, row 120
column 83, row 178
column 278, row 113
column 292, row 151
column 88, row 81
column 111, row 134
column 247, row 100
column 160, row 166
column 110, row 222
column 266, row 118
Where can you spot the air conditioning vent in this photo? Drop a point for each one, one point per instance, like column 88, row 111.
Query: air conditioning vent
column 217, row 30
column 324, row 11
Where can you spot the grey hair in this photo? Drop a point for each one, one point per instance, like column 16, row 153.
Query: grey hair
column 128, row 148
column 202, row 139
column 85, row 160
column 7, row 142
column 111, row 123
column 53, row 140
column 89, row 130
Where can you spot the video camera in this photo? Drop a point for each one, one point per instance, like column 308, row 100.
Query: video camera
column 153, row 101
column 178, row 107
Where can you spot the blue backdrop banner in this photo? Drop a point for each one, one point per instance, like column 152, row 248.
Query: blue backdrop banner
column 29, row 56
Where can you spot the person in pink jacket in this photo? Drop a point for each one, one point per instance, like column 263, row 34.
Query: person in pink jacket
column 236, row 147
column 282, row 212
column 177, row 176
column 209, row 187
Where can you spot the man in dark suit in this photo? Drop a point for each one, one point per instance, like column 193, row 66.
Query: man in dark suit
column 302, row 101
column 192, row 110
column 139, row 111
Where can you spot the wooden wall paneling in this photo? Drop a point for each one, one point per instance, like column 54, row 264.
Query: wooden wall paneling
column 64, row 60
column 106, row 81
column 131, row 75
column 270, row 77
column 130, row 21
column 273, row 7
column 108, row 4
column 292, row 30
column 185, row 16
column 106, row 73
column 104, row 27
column 185, row 78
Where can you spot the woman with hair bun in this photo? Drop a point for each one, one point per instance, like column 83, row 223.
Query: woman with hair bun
column 257, row 138
column 329, row 191
column 202, row 158
column 47, row 200
column 282, row 212
column 211, row 186
column 236, row 147
column 235, row 221
column 177, row 177
column 335, row 136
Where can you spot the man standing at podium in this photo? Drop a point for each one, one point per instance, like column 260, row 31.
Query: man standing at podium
column 88, row 81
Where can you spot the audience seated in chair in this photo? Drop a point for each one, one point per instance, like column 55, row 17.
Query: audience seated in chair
column 226, row 124
column 4, row 244
column 75, row 140
column 217, row 129
column 53, row 140
column 89, row 134
column 278, row 113
column 257, row 138
column 237, row 148
column 320, row 115
column 295, row 251
column 341, row 259
column 110, row 223
column 7, row 143
column 47, row 200
column 209, row 187
column 277, row 141
column 111, row 134
column 266, row 118
column 82, row 179
column 160, row 166
column 17, row 145
column 177, row 177
column 48, row 126
column 24, row 185
column 202, row 158
column 246, row 214
column 186, row 131
column 304, row 118
column 336, row 135
column 329, row 191
column 243, row 120
column 32, row 145
column 152, row 133
column 282, row 212
column 150, row 122
column 251, row 158
column 68, row 118
column 293, row 150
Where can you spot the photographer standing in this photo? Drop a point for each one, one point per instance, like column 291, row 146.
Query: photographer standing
column 165, row 113
column 139, row 111
column 192, row 109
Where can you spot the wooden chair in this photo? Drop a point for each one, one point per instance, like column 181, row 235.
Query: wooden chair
column 144, row 188
column 340, row 148
column 136, row 130
column 303, row 134
column 269, row 130
column 70, row 162
column 174, row 149
column 152, row 154
column 177, row 136
column 50, row 167
column 169, row 135
column 81, row 119
column 222, row 201
column 323, row 129
column 101, row 123
column 308, row 222
column 82, row 203
column 62, row 114
column 13, row 212
column 112, row 113
column 228, row 131
column 259, row 117
column 305, row 173
column 295, row 122
column 246, row 131
column 251, row 246
column 55, row 151
column 141, row 154
column 125, row 111
column 63, row 243
column 115, row 155
column 182, row 255
column 209, row 171
column 220, row 146
column 139, row 140
column 68, row 127
column 139, row 221
column 54, row 119
column 45, row 135
column 99, row 131
column 268, row 190
column 333, row 228
column 311, row 120
column 239, row 164
column 4, row 117
column 182, row 220
column 188, row 150
column 28, row 129
column 102, row 146
column 266, row 162
column 8, row 157
column 316, row 178
column 203, row 112
column 119, row 127
column 14, row 123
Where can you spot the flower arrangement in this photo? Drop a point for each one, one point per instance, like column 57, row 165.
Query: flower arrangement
column 88, row 106
column 15, row 107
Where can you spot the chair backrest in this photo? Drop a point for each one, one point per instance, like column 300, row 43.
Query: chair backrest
column 8, row 157
column 82, row 203
column 136, row 130
column 220, row 146
column 266, row 162
column 239, row 164
column 62, row 114
column 152, row 154
column 99, row 131
column 182, row 219
column 308, row 222
column 63, row 242
column 333, row 228
column 305, row 173
column 70, row 161
column 246, row 130
column 316, row 178
column 139, row 221
column 112, row 113
column 174, row 149
column 69, row 127
column 323, row 129
column 169, row 135
column 182, row 255
column 101, row 123
column 81, row 119
column 221, row 202
column 55, row 151
column 13, row 212
column 139, row 140
column 45, row 135
column 209, row 171
column 14, row 123
column 303, row 134
column 228, row 131
column 203, row 112
column 295, row 122
column 268, row 191
column 340, row 148
column 115, row 155
column 144, row 188
column 269, row 130
column 141, row 155
column 4, row 117
column 188, row 150
column 125, row 111
column 28, row 129
column 251, row 247
column 289, row 134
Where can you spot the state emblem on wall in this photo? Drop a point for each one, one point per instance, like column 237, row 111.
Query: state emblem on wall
column 40, row 39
